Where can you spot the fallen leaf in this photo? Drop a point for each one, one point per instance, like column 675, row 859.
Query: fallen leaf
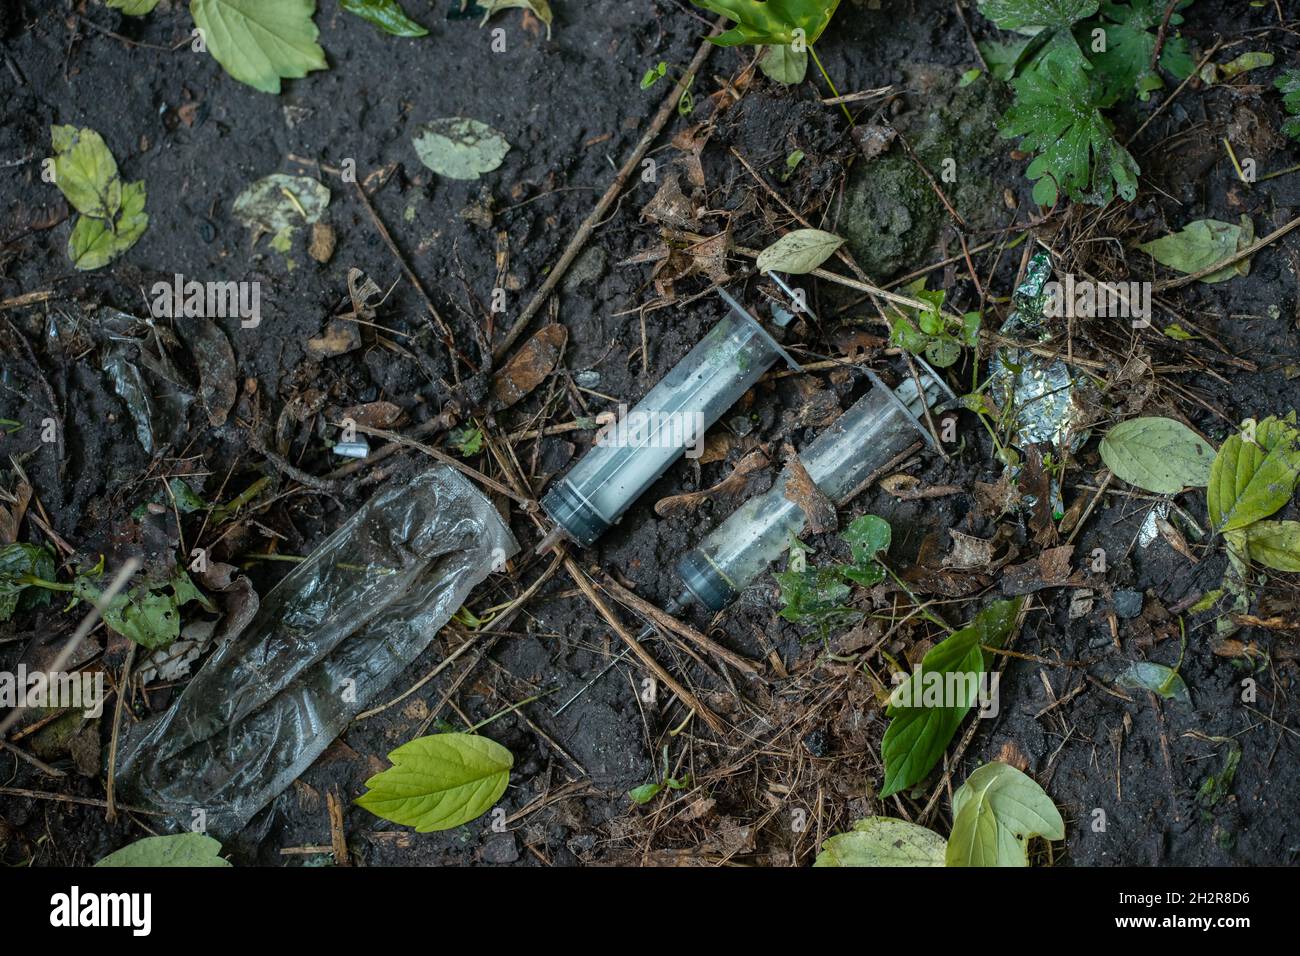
column 819, row 511
column 529, row 366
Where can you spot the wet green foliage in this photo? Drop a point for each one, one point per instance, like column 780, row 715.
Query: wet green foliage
column 928, row 332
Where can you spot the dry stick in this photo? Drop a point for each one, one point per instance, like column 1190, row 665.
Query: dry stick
column 505, row 617
column 666, row 110
column 36, row 762
column 670, row 623
column 65, row 798
column 1246, row 253
column 688, row 698
column 443, row 420
column 1164, row 103
column 524, row 502
column 122, row 691
column 87, row 624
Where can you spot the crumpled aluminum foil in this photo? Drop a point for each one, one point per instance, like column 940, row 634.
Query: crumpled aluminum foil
column 1038, row 390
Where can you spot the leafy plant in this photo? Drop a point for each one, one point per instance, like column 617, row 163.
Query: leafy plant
column 648, row 791
column 539, row 8
column 995, row 814
column 816, row 596
column 147, row 614
column 930, row 332
column 112, row 216
column 1061, row 91
column 1057, row 115
column 388, row 15
column 920, row 725
column 788, row 28
column 177, row 849
column 686, row 101
column 1157, row 454
column 467, row 440
column 21, row 565
column 1254, row 473
column 1289, row 84
column 439, row 782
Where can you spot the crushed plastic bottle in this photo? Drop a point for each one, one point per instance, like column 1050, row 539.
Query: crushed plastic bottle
column 329, row 637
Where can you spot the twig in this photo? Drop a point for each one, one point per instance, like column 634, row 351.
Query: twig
column 122, row 692
column 670, row 623
column 666, row 110
column 524, row 502
column 1173, row 96
column 688, row 698
column 1246, row 253
column 338, row 836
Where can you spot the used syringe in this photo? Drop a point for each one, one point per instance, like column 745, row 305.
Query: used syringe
column 674, row 415
column 875, row 429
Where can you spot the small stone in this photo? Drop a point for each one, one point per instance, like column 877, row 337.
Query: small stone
column 500, row 848
column 587, row 378
column 1128, row 604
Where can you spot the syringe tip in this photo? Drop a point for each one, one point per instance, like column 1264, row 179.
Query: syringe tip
column 553, row 537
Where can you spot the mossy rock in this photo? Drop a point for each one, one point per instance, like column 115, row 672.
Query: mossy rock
column 891, row 215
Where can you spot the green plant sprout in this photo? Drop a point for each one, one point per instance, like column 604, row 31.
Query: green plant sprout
column 931, row 332
column 648, row 791
column 789, row 28
column 686, row 101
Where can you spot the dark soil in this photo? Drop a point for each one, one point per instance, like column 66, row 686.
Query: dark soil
column 802, row 763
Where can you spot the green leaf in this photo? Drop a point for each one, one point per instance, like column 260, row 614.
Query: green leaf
column 813, row 596
column 770, row 21
column 149, row 614
column 439, row 782
column 541, row 8
column 969, row 77
column 883, row 841
column 460, row 148
column 645, row 793
column 1125, row 65
column 995, row 813
column 1002, row 57
column 926, row 709
column 466, row 440
column 19, row 561
column 868, row 538
column 799, row 251
column 921, row 727
column 1244, row 63
column 95, row 243
column 133, row 8
column 1057, row 114
column 1057, row 14
column 178, row 849
column 1289, row 84
column 1251, row 479
column 784, row 64
column 1157, row 454
column 1274, row 544
column 1201, row 244
column 85, row 171
column 388, row 15
column 260, row 42
column 1157, row 678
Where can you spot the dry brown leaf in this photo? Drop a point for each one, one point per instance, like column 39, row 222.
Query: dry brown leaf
column 529, row 366
column 819, row 511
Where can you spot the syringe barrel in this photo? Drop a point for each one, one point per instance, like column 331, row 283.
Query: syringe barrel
column 631, row 453
column 869, row 434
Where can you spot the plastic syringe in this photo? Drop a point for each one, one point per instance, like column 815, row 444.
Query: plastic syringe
column 673, row 416
column 875, row 429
